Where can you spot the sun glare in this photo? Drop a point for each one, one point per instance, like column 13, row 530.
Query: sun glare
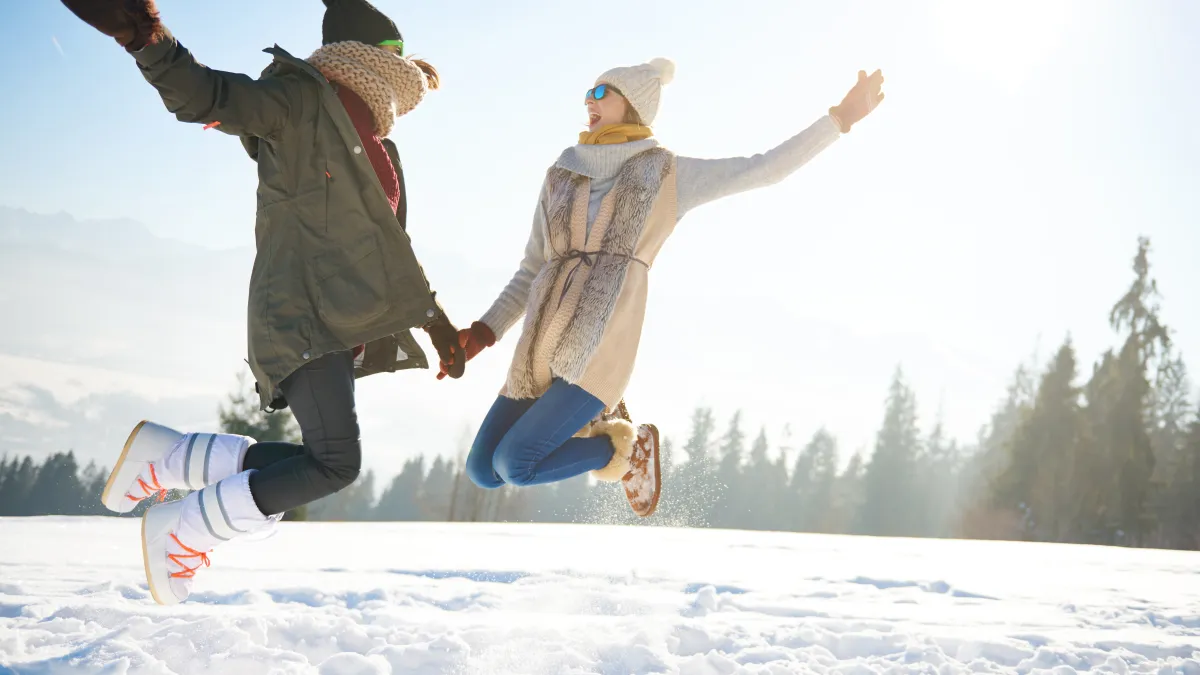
column 1001, row 40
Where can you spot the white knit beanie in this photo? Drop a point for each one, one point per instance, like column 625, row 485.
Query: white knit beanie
column 642, row 85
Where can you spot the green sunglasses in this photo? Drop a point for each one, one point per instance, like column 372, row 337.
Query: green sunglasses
column 399, row 44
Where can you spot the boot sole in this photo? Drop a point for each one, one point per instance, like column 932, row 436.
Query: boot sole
column 128, row 467
column 118, row 472
column 649, row 511
column 156, row 525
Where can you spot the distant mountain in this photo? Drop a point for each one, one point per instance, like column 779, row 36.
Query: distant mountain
column 111, row 294
column 62, row 232
column 35, row 422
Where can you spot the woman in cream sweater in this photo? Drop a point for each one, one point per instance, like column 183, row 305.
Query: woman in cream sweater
column 605, row 209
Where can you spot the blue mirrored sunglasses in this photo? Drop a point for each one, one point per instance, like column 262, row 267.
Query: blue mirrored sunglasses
column 598, row 92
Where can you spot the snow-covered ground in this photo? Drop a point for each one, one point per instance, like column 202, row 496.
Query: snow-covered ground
column 350, row 599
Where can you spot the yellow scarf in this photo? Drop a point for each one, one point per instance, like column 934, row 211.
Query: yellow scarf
column 615, row 133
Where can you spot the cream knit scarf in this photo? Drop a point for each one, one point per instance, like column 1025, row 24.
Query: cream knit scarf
column 390, row 85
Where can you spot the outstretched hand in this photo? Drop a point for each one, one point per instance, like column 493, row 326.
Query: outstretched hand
column 132, row 23
column 860, row 101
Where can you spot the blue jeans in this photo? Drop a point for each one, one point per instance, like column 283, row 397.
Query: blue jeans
column 529, row 442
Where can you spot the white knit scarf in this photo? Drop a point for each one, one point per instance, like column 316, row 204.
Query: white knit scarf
column 390, row 85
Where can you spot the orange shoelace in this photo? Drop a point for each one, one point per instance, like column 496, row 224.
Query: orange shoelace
column 150, row 490
column 178, row 558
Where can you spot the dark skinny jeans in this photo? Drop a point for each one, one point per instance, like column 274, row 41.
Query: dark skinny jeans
column 321, row 396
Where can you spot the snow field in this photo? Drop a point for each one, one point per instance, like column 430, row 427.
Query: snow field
column 379, row 598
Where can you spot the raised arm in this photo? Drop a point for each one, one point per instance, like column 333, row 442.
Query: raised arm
column 236, row 103
column 193, row 92
column 704, row 180
column 510, row 306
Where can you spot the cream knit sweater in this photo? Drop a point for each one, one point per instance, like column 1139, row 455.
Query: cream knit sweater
column 695, row 182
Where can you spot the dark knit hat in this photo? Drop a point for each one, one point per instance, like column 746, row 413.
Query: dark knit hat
column 356, row 21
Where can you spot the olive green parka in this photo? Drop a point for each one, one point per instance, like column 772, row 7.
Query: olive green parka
column 334, row 267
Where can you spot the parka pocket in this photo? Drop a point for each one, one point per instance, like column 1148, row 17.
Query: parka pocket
column 351, row 284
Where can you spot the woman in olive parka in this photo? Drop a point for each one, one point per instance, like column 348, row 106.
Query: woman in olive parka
column 335, row 287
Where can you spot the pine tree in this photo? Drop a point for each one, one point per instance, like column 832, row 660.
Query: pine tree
column 813, row 483
column 401, row 499
column 699, row 445
column 56, row 489
column 436, row 490
column 848, row 498
column 691, row 487
column 355, row 502
column 1039, row 481
column 764, row 486
column 1092, row 523
column 890, row 479
column 732, row 452
column 1187, row 491
column 978, row 515
column 461, row 486
column 93, row 479
column 18, row 486
column 242, row 415
column 731, row 510
column 1172, row 410
column 800, row 487
column 939, row 464
column 1119, row 402
column 360, row 500
column 8, row 470
column 1172, row 420
column 1131, row 450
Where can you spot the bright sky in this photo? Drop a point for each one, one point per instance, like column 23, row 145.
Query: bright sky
column 988, row 208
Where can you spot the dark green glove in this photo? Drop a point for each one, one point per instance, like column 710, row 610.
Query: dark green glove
column 444, row 336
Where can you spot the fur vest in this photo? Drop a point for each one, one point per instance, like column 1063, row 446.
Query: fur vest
column 574, row 297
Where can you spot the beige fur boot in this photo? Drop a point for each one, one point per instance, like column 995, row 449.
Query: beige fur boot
column 622, row 435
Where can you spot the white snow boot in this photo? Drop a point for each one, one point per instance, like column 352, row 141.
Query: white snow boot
column 157, row 458
column 178, row 536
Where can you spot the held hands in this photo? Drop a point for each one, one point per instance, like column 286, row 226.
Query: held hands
column 860, row 101
column 132, row 23
column 472, row 340
column 444, row 336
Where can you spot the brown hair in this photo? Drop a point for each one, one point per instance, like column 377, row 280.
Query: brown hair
column 631, row 115
column 432, row 79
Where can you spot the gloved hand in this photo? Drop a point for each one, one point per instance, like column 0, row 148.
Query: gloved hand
column 132, row 23
column 444, row 336
column 473, row 340
column 860, row 101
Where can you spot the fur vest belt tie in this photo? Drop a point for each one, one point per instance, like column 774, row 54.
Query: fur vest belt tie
column 585, row 258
